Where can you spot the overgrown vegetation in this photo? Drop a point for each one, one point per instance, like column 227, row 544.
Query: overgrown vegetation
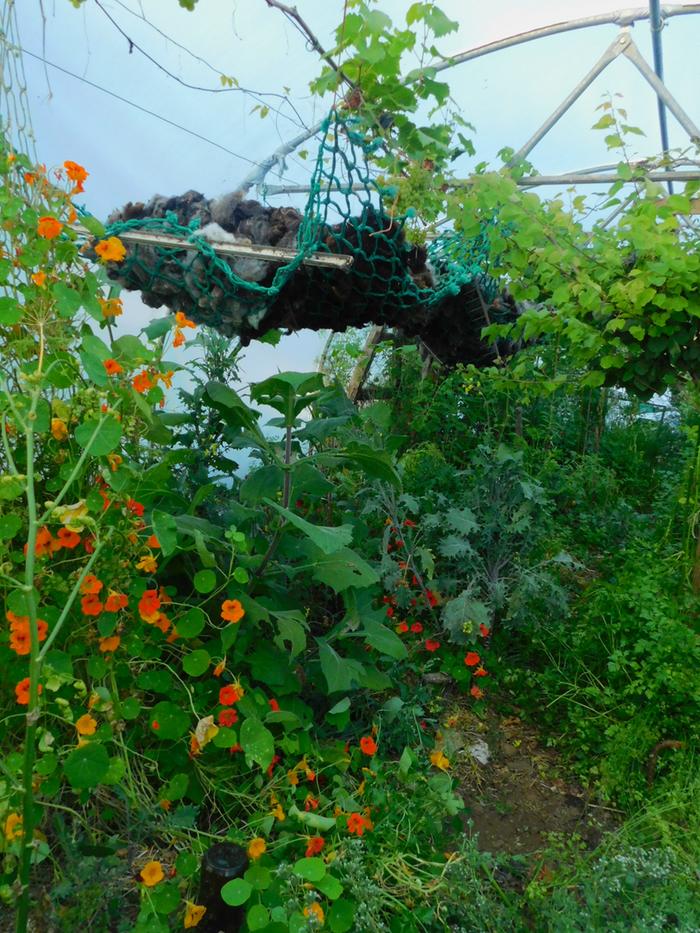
column 275, row 656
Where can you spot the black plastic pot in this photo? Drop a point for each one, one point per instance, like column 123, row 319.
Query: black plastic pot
column 220, row 864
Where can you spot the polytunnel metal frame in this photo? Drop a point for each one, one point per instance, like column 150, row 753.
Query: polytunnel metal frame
column 622, row 45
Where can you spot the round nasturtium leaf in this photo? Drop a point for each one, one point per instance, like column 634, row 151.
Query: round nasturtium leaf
column 310, row 869
column 258, row 742
column 165, row 897
column 130, row 708
column 341, row 916
column 257, row 917
column 236, row 892
column 196, row 662
column 85, row 767
column 191, row 624
column 204, row 581
column 186, row 864
column 259, row 877
column 168, row 721
column 99, row 437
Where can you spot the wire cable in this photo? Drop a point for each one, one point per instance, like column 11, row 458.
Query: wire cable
column 256, row 95
column 145, row 110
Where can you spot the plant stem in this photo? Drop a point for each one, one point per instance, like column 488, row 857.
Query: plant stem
column 34, row 673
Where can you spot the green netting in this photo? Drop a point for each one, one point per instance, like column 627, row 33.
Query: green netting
column 346, row 213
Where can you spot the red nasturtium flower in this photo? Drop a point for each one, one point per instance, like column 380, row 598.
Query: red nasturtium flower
column 115, row 602
column 149, row 604
column 431, row 644
column 48, row 227
column 368, row 745
column 480, row 672
column 476, row 692
column 417, row 627
column 229, row 695
column 112, row 367
column 274, row 705
column 22, row 692
column 111, row 250
column 232, row 610
column 91, row 586
column 356, row 824
column 67, row 538
column 402, row 627
column 136, row 507
column 472, row 659
column 227, row 717
column 142, row 381
column 315, row 845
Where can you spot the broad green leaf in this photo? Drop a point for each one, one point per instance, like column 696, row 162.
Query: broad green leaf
column 192, row 623
column 261, row 484
column 258, row 917
column 196, row 662
column 342, row 570
column 310, row 869
column 9, row 526
column 341, row 916
column 165, row 529
column 386, row 641
column 99, row 437
column 236, row 892
column 87, row 766
column 340, row 673
column 291, row 626
column 258, row 742
column 171, row 721
column 231, row 405
column 328, row 539
column 330, row 886
column 10, row 312
column 204, row 581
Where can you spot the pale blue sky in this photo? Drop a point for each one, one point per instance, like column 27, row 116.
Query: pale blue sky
column 131, row 155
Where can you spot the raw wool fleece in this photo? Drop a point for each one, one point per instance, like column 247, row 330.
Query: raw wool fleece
column 386, row 269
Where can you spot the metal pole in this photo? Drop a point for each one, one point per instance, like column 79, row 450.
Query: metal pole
column 662, row 92
column 609, row 55
column 656, row 25
column 617, row 18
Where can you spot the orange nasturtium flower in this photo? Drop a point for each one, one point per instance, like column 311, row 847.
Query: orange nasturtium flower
column 111, row 250
column 315, row 844
column 48, row 227
column 77, row 174
column 232, row 610
column 13, row 826
column 230, row 694
column 142, row 381
column 59, row 429
column 356, row 824
column 152, row 541
column 193, row 914
column 91, row 586
column 149, row 604
column 116, row 601
column 439, row 759
column 109, row 644
column 368, row 745
column 315, row 910
column 113, row 368
column 477, row 692
column 86, row 725
column 472, row 659
column 111, row 307
column 147, row 563
column 39, row 278
column 91, row 605
column 22, row 692
column 114, row 460
column 183, row 321
column 256, row 847
column 67, row 538
column 152, row 873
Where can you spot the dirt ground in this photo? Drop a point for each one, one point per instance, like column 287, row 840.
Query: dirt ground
column 517, row 799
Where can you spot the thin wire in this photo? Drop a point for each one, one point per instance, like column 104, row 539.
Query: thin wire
column 196, row 87
column 145, row 110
